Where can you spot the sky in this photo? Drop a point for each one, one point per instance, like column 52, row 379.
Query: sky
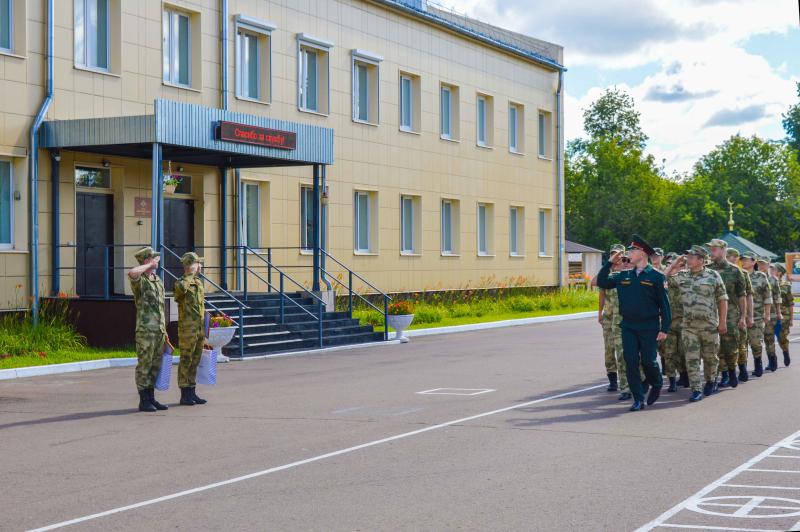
column 699, row 70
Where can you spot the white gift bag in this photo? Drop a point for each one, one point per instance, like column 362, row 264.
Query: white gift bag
column 207, row 369
column 165, row 373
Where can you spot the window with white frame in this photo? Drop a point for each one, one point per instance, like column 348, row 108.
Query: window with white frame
column 306, row 218
column 313, row 86
column 483, row 241
column 409, row 102
column 484, row 120
column 253, row 58
column 363, row 215
column 516, row 231
column 177, row 47
column 544, row 231
column 516, row 128
column 251, row 215
column 6, row 26
column 91, row 33
column 544, row 134
column 449, row 111
column 410, row 224
column 6, row 205
column 366, row 83
column 447, row 227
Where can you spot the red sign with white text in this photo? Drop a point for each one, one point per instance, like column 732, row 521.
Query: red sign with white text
column 259, row 136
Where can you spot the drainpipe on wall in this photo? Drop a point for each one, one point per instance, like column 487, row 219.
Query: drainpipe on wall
column 560, row 177
column 323, row 242
column 33, row 170
column 223, row 51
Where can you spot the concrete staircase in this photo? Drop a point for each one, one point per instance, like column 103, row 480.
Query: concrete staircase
column 265, row 334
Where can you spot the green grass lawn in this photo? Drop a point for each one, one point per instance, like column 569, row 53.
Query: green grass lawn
column 62, row 357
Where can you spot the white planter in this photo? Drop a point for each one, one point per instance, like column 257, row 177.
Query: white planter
column 399, row 322
column 219, row 337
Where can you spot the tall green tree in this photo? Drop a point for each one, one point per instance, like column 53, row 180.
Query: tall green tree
column 791, row 123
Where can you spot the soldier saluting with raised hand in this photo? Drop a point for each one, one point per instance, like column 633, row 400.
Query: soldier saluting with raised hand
column 646, row 317
column 190, row 296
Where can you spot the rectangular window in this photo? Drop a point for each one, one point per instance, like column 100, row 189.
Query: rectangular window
column 366, row 83
column 91, row 33
column 6, row 27
column 513, row 129
column 92, row 177
column 543, row 231
column 481, row 120
column 362, row 92
column 307, row 218
column 177, row 48
column 483, row 242
column 362, row 221
column 251, row 215
column 447, row 113
column 249, row 65
column 6, row 205
column 310, row 75
column 513, row 233
column 407, row 220
column 447, row 227
column 544, row 134
column 184, row 184
column 406, row 104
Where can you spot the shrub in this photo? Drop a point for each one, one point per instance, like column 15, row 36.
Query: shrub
column 428, row 314
column 520, row 304
column 370, row 317
column 18, row 336
column 459, row 310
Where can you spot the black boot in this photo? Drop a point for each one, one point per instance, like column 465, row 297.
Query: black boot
column 624, row 396
column 684, row 380
column 196, row 399
column 759, row 370
column 725, row 381
column 654, row 394
column 144, row 402
column 743, row 377
column 186, row 397
column 612, row 383
column 673, row 385
column 152, row 394
column 786, row 359
column 708, row 389
column 773, row 362
column 732, row 380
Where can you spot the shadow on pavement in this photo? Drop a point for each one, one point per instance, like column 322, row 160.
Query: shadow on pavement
column 70, row 417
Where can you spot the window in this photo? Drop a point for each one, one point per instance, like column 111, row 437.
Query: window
column 92, row 177
column 484, row 120
column 516, row 231
column 544, row 231
column 313, row 89
column 307, row 218
column 516, row 128
column 6, row 27
column 184, row 184
column 251, row 215
column 450, row 227
column 447, row 113
column 253, row 61
column 91, row 33
column 544, row 134
column 409, row 103
column 410, row 224
column 485, row 229
column 177, row 48
column 362, row 221
column 366, row 87
column 6, row 205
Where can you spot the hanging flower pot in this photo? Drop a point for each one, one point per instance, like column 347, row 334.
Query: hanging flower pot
column 170, row 188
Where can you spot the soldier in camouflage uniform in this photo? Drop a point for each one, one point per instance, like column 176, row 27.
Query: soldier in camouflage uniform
column 762, row 307
column 151, row 331
column 190, row 296
column 674, row 359
column 787, row 311
column 775, row 315
column 705, row 309
column 733, row 278
column 733, row 257
column 610, row 319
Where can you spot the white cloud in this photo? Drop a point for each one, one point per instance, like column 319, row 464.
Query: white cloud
column 706, row 87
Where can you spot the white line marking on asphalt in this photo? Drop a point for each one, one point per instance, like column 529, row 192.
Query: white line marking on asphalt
column 782, row 456
column 759, row 487
column 707, row 527
column 774, row 471
column 318, row 458
column 726, row 505
column 456, row 391
column 660, row 520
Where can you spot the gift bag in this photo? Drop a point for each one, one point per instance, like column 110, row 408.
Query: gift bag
column 165, row 373
column 207, row 369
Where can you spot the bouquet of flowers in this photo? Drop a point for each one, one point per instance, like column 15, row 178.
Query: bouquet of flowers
column 401, row 308
column 221, row 320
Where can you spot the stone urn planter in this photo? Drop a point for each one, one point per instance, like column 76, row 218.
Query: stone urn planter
column 400, row 322
column 219, row 337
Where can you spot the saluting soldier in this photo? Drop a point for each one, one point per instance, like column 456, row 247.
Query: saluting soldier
column 733, row 257
column 762, row 307
column 705, row 309
column 734, row 279
column 658, row 260
column 674, row 356
column 787, row 311
column 610, row 319
column 775, row 315
column 151, row 330
column 646, row 317
column 190, row 296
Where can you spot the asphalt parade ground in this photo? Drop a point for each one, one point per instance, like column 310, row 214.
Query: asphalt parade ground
column 503, row 429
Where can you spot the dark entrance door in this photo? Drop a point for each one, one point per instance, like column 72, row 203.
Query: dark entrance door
column 178, row 235
column 95, row 227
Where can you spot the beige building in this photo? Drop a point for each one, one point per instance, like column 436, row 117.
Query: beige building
column 443, row 169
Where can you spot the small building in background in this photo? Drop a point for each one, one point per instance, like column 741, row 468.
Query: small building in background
column 742, row 245
column 584, row 262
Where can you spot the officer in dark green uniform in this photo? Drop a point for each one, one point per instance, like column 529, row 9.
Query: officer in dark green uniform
column 646, row 317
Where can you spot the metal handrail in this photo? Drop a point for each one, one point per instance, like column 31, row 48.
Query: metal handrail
column 364, row 299
column 283, row 294
column 337, row 261
column 314, row 296
column 349, row 287
column 200, row 274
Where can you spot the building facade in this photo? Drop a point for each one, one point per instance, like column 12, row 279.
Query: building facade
column 446, row 142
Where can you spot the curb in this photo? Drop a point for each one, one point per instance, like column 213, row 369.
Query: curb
column 89, row 365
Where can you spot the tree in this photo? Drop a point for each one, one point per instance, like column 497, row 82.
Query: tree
column 613, row 115
column 791, row 123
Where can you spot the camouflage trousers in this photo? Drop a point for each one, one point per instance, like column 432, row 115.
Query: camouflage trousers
column 729, row 348
column 191, row 345
column 700, row 346
column 783, row 339
column 674, row 358
column 742, row 346
column 149, row 348
column 612, row 337
column 769, row 336
column 755, row 335
column 608, row 345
